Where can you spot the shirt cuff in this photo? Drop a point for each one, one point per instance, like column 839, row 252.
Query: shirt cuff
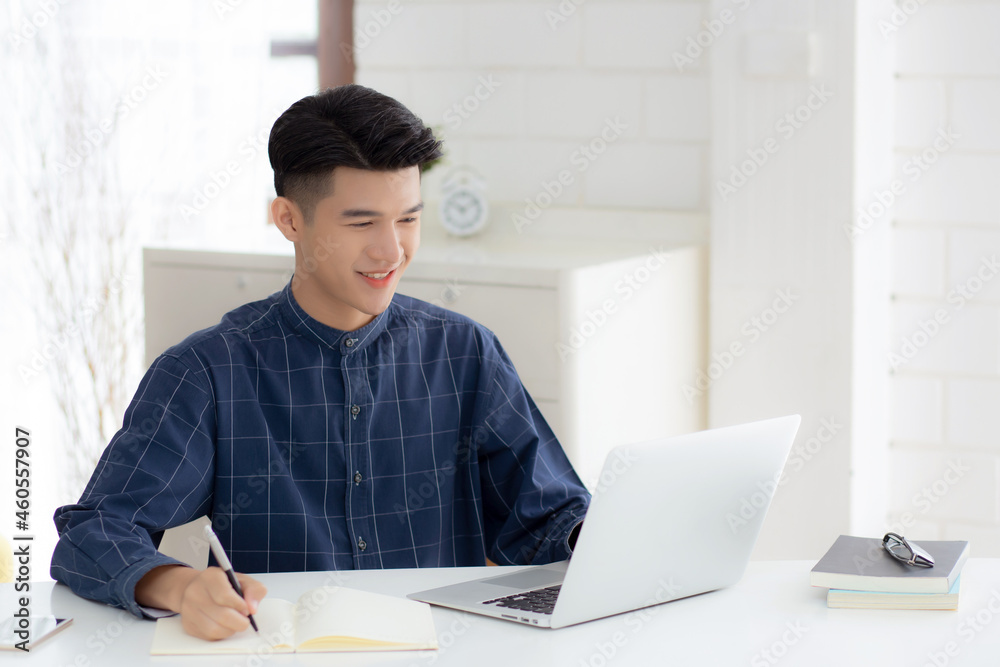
column 154, row 613
column 574, row 533
column 557, row 547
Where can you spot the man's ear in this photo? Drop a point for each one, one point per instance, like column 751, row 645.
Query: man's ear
column 287, row 217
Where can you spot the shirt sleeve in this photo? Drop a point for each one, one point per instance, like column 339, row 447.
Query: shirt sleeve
column 156, row 473
column 532, row 496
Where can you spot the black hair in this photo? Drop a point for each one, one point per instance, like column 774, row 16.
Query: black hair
column 346, row 126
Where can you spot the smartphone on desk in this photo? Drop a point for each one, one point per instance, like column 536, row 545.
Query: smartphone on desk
column 18, row 634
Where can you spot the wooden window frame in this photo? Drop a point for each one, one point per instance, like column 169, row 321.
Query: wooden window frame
column 333, row 47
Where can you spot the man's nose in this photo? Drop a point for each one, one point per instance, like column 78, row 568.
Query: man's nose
column 386, row 247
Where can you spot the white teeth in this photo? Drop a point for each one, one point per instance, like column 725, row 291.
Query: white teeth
column 375, row 276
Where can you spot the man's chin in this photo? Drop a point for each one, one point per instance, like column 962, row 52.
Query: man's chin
column 376, row 309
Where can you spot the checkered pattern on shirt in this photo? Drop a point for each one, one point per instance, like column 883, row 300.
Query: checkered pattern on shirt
column 408, row 443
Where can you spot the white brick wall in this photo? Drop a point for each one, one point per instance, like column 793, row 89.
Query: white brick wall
column 638, row 35
column 945, row 486
column 975, row 109
column 973, row 418
column 950, row 39
column 918, row 262
column 918, row 408
column 946, row 400
column 921, row 110
column 558, row 79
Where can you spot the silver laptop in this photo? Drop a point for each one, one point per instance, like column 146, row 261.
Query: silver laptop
column 670, row 518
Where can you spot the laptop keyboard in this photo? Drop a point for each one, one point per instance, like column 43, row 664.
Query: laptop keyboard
column 540, row 601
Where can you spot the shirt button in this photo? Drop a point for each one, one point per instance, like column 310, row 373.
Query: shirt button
column 362, row 544
column 349, row 342
column 357, row 478
column 355, row 410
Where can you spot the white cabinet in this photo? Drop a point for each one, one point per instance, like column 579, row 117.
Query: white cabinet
column 604, row 338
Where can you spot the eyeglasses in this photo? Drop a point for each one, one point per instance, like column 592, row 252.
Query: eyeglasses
column 906, row 552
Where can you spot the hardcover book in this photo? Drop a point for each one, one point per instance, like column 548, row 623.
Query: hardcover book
column 861, row 564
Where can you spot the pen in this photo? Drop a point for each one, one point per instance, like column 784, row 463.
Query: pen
column 220, row 555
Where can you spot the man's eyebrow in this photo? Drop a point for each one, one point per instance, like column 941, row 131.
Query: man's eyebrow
column 366, row 213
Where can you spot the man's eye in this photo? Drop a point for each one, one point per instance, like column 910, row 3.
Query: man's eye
column 360, row 224
column 408, row 220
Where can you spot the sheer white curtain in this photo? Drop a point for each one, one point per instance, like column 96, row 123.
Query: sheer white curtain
column 121, row 123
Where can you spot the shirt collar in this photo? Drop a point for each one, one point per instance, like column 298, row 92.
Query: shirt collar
column 346, row 342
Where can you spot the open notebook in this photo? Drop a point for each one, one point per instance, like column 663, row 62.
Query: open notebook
column 328, row 618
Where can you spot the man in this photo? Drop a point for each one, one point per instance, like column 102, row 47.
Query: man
column 333, row 425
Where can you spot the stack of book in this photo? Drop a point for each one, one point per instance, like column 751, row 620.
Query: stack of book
column 862, row 575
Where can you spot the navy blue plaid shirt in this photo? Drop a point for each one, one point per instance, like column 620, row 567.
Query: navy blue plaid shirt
column 410, row 442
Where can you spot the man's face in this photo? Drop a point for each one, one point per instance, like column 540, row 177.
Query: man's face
column 361, row 239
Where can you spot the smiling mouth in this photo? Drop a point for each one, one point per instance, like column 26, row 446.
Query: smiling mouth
column 379, row 278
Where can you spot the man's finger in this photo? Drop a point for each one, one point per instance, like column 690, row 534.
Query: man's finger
column 223, row 594
column 214, row 623
column 230, row 619
column 253, row 591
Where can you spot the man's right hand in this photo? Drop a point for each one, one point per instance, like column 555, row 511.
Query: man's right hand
column 206, row 601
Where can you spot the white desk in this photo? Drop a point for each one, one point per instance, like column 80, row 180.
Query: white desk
column 728, row 627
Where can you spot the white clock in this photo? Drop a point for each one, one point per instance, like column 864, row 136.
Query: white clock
column 464, row 209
